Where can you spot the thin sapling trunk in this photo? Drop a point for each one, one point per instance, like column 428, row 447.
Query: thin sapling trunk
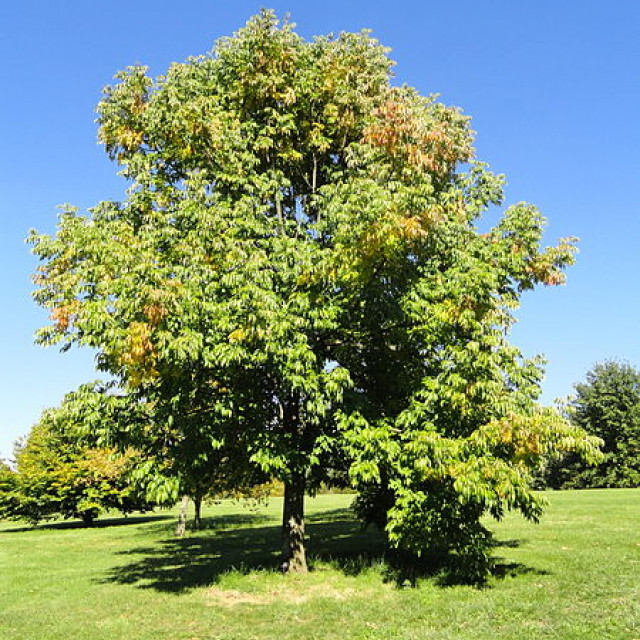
column 182, row 517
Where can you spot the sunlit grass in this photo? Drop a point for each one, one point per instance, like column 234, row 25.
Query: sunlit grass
column 576, row 575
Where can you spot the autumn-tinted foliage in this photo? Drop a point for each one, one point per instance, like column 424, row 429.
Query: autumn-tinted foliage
column 296, row 275
column 56, row 476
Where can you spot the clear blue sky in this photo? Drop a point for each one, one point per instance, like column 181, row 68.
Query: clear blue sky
column 554, row 92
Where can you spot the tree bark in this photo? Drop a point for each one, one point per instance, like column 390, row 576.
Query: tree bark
column 182, row 518
column 294, row 557
column 197, row 519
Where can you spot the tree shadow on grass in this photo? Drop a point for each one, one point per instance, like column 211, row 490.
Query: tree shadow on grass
column 345, row 514
column 451, row 569
column 199, row 559
column 240, row 543
column 237, row 543
column 96, row 524
column 234, row 520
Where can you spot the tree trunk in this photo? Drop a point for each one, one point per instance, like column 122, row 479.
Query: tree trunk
column 182, row 518
column 294, row 558
column 197, row 519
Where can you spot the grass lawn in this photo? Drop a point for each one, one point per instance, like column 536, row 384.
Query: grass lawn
column 574, row 576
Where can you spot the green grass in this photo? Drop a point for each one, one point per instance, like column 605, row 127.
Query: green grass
column 575, row 576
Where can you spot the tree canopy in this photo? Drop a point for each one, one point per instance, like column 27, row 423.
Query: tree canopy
column 296, row 277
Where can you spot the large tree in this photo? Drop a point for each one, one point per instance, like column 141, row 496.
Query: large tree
column 296, row 272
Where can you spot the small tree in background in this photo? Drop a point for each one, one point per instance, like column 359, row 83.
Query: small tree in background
column 57, row 476
column 606, row 405
column 9, row 499
column 168, row 461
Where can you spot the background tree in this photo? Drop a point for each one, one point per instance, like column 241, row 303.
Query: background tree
column 169, row 462
column 9, row 500
column 296, row 276
column 606, row 405
column 57, row 476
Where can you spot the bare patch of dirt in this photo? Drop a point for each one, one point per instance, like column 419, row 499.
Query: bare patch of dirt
column 231, row 597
